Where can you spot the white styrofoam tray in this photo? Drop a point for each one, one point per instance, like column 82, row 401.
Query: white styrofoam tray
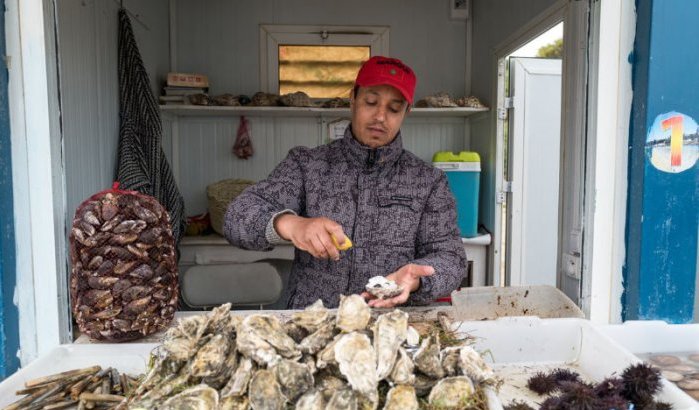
column 130, row 358
column 520, row 346
column 644, row 337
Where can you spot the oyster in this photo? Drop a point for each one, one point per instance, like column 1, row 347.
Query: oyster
column 311, row 400
column 423, row 384
column 412, row 337
column 234, row 403
column 343, row 399
column 314, row 342
column 353, row 313
column 403, row 370
column 265, row 393
column 390, row 331
column 357, row 360
column 328, row 384
column 451, row 392
column 238, row 383
column 383, row 288
column 450, row 361
column 271, row 330
column 210, row 357
column 312, row 317
column 472, row 365
column 327, row 354
column 199, row 397
column 401, row 397
column 295, row 331
column 427, row 358
column 294, row 378
column 219, row 379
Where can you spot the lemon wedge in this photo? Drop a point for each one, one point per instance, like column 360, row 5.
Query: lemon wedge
column 346, row 245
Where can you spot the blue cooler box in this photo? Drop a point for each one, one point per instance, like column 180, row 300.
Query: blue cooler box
column 463, row 173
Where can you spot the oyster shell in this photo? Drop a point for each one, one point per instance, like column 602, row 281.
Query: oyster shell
column 451, row 392
column 294, row 378
column 210, row 357
column 234, row 403
column 353, row 313
column 357, row 360
column 343, row 399
column 328, row 384
column 390, row 331
column 262, row 338
column 238, row 383
column 265, row 393
column 297, row 99
column 327, row 355
column 423, row 384
column 383, row 288
column 317, row 340
column 413, row 337
column 427, row 358
column 472, row 365
column 312, row 317
column 295, row 331
column 403, row 370
column 311, row 400
column 401, row 397
column 199, row 397
column 450, row 361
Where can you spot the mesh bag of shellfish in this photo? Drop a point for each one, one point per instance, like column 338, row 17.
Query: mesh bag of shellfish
column 123, row 282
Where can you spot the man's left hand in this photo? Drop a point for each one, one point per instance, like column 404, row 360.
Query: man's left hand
column 407, row 277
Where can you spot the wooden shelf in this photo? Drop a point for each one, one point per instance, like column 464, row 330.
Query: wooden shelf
column 217, row 111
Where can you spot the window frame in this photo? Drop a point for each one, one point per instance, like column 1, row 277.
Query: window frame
column 274, row 35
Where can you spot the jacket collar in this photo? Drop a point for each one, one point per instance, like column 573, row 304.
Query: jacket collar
column 386, row 154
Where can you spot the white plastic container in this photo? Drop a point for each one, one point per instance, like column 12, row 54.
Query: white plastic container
column 520, row 346
column 129, row 358
column 492, row 302
column 648, row 337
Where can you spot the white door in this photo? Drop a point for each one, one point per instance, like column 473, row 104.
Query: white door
column 533, row 171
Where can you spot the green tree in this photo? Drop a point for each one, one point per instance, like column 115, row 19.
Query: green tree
column 552, row 50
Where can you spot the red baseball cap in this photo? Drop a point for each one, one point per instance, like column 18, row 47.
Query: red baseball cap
column 379, row 70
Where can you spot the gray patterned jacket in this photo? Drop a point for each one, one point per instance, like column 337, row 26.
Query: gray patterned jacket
column 395, row 208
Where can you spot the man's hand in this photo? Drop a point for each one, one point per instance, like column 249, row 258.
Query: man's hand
column 311, row 234
column 408, row 277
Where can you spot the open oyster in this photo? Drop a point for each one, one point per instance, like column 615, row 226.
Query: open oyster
column 401, row 397
column 451, row 392
column 353, row 313
column 199, row 397
column 383, row 288
column 357, row 360
column 390, row 332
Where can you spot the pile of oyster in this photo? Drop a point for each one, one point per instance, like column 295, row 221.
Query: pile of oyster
column 123, row 282
column 316, row 360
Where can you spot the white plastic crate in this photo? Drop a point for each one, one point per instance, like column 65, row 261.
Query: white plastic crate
column 129, row 358
column 492, row 302
column 520, row 346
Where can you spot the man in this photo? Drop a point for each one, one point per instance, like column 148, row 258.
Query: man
column 396, row 209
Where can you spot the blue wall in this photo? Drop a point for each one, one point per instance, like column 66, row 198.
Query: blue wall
column 663, row 201
column 9, row 322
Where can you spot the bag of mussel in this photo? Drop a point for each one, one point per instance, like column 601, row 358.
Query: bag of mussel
column 123, row 282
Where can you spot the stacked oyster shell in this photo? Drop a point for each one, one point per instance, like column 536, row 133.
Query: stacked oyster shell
column 123, row 270
column 317, row 360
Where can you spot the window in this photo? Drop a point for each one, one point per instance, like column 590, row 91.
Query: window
column 320, row 71
column 322, row 61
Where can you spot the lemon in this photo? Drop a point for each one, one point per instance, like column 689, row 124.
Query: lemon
column 346, row 245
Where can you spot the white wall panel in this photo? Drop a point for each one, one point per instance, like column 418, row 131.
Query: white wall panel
column 87, row 47
column 220, row 37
